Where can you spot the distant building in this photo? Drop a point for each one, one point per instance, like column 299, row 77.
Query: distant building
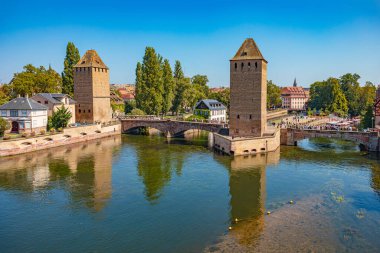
column 92, row 89
column 127, row 92
column 211, row 109
column 53, row 101
column 294, row 98
column 24, row 115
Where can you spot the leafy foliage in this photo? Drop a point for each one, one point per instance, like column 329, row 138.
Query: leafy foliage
column 72, row 57
column 273, row 95
column 169, row 86
column 36, row 80
column 149, row 83
column 222, row 96
column 4, row 125
column 137, row 111
column 367, row 120
column 61, row 117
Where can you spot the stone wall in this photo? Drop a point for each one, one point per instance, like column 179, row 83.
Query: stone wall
column 69, row 136
column 245, row 146
column 248, row 98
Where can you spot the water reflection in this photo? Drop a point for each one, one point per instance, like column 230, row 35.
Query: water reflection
column 248, row 190
column 83, row 170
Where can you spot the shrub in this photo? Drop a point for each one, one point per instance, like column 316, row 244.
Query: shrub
column 137, row 111
column 42, row 132
column 4, row 125
column 60, row 129
column 52, row 131
column 33, row 134
column 61, row 117
column 6, row 137
column 24, row 135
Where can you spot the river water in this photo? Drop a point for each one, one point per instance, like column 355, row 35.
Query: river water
column 143, row 194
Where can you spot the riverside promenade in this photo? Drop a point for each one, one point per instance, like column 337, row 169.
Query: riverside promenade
column 66, row 137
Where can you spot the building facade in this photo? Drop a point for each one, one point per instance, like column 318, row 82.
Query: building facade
column 211, row 109
column 377, row 108
column 248, row 81
column 294, row 98
column 53, row 101
column 92, row 89
column 24, row 115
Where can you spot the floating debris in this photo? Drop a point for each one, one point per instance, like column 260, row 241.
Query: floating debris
column 291, row 202
column 360, row 214
column 236, row 220
column 229, row 228
column 268, row 213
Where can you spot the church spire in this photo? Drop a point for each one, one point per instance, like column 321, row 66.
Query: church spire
column 295, row 82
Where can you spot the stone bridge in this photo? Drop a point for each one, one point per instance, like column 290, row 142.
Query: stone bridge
column 169, row 127
column 368, row 141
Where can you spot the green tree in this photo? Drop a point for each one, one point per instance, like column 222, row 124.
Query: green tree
column 36, row 80
column 137, row 111
column 367, row 120
column 200, row 79
column 178, row 72
column 169, row 87
column 72, row 58
column 4, row 94
column 4, row 125
column 140, row 87
column 181, row 85
column 338, row 100
column 273, row 95
column 149, row 83
column 222, row 96
column 61, row 117
column 129, row 106
column 349, row 83
column 367, row 97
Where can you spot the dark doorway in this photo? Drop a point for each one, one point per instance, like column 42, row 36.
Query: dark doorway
column 15, row 127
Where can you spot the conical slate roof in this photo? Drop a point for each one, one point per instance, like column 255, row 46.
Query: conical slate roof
column 91, row 59
column 248, row 51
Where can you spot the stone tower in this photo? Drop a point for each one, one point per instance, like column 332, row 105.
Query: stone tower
column 92, row 89
column 248, row 82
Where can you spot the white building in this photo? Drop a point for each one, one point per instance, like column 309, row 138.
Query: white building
column 24, row 115
column 211, row 109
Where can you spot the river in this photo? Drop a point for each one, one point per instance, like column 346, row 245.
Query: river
column 145, row 194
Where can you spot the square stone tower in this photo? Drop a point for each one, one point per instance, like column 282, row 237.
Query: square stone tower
column 92, row 89
column 248, row 82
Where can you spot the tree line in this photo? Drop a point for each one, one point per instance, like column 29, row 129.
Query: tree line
column 160, row 90
column 343, row 96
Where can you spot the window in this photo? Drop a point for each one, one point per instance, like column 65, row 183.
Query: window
column 46, row 102
column 39, row 102
column 236, row 130
column 249, row 66
column 238, row 116
column 250, row 116
column 242, row 66
column 34, row 123
column 79, row 111
column 14, row 113
column 27, row 124
column 3, row 113
column 22, row 125
column 24, row 113
column 235, row 66
column 89, row 111
column 256, row 65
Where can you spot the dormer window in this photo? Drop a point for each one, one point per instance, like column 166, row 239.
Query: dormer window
column 83, row 62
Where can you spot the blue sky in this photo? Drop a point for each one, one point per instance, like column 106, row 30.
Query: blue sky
column 310, row 40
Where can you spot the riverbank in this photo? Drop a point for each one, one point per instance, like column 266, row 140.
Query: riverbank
column 68, row 136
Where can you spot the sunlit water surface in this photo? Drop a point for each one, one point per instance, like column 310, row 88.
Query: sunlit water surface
column 142, row 194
